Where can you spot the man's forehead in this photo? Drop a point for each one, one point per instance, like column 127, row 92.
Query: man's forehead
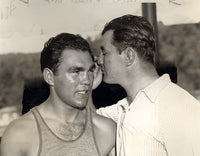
column 107, row 35
column 107, row 39
column 75, row 54
column 77, row 58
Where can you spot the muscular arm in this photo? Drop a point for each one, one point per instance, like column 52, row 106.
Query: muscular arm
column 19, row 139
column 107, row 128
column 12, row 141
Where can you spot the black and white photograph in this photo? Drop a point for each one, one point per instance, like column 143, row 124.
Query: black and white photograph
column 99, row 77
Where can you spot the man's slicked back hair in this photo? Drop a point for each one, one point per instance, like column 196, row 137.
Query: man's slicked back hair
column 51, row 55
column 133, row 31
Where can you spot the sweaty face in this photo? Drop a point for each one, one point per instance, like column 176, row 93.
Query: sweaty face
column 112, row 60
column 74, row 79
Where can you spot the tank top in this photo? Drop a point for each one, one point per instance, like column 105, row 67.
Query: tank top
column 52, row 145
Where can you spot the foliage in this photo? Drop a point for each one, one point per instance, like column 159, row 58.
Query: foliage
column 178, row 44
column 15, row 69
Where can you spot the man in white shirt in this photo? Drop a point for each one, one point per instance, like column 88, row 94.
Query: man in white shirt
column 158, row 118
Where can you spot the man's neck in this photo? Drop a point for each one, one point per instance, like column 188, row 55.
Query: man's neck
column 66, row 123
column 55, row 109
column 137, row 81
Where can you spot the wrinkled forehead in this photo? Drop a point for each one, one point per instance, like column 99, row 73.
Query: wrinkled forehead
column 76, row 58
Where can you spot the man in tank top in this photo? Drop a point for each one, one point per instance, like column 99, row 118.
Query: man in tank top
column 63, row 125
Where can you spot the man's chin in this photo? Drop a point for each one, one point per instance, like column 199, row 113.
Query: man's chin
column 107, row 80
column 81, row 105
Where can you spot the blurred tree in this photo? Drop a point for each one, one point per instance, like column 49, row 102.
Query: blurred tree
column 178, row 45
column 15, row 68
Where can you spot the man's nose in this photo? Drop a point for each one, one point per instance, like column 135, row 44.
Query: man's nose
column 85, row 79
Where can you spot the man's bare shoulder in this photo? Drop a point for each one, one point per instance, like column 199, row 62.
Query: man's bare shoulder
column 104, row 123
column 19, row 135
column 23, row 124
column 104, row 127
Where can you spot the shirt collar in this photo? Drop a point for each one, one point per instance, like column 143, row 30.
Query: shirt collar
column 151, row 91
column 155, row 87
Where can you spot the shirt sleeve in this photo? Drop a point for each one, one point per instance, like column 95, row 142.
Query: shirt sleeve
column 109, row 112
column 113, row 111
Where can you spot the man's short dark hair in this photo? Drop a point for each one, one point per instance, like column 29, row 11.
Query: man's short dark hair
column 54, row 47
column 133, row 31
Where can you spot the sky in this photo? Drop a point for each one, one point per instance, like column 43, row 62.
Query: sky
column 26, row 24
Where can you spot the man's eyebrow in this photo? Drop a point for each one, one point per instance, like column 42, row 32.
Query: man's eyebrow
column 81, row 68
column 76, row 68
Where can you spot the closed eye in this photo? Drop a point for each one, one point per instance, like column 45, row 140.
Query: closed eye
column 92, row 69
column 75, row 70
column 103, row 50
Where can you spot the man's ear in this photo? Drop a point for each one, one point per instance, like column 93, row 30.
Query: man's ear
column 48, row 76
column 129, row 56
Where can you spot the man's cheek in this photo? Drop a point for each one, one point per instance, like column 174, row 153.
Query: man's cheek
column 72, row 78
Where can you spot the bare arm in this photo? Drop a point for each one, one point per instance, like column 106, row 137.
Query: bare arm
column 11, row 142
column 20, row 138
column 107, row 128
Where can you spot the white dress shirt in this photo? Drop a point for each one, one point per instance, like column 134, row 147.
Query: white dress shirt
column 162, row 120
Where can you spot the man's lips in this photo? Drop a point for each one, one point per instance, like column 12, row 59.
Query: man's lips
column 83, row 93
